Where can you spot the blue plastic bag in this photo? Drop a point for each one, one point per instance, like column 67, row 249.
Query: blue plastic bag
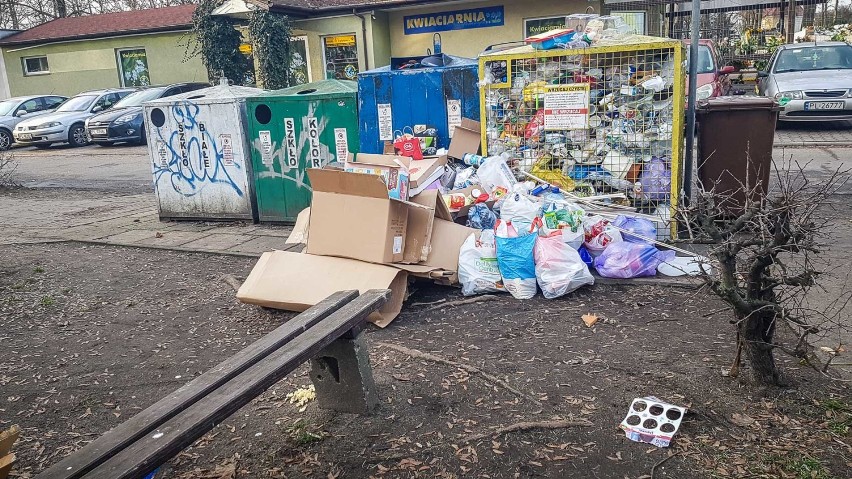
column 481, row 217
column 639, row 226
column 586, row 257
column 516, row 261
column 630, row 260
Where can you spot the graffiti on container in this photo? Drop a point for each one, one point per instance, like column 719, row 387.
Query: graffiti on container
column 286, row 154
column 190, row 157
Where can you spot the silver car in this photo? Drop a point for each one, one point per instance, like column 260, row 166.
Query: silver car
column 67, row 123
column 812, row 81
column 17, row 109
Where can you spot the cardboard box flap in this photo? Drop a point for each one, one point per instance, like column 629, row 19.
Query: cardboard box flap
column 447, row 239
column 383, row 160
column 421, row 171
column 295, row 282
column 433, row 199
column 343, row 183
column 466, row 139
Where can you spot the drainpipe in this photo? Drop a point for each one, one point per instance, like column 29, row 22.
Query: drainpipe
column 364, row 36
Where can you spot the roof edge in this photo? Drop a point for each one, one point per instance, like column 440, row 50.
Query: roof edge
column 10, row 41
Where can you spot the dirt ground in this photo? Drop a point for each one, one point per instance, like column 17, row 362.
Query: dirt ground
column 92, row 334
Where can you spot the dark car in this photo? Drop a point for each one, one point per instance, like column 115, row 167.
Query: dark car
column 123, row 122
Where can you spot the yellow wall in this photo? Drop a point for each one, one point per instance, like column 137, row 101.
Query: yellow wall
column 470, row 43
column 92, row 64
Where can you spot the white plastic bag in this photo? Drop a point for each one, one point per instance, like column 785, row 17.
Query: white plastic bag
column 518, row 209
column 558, row 267
column 495, row 172
column 478, row 270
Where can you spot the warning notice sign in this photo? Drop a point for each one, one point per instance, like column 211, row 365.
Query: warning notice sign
column 566, row 107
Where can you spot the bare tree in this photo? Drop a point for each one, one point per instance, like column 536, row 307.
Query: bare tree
column 766, row 252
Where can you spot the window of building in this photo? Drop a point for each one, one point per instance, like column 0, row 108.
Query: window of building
column 36, row 66
column 300, row 65
column 133, row 67
column 340, row 54
column 635, row 20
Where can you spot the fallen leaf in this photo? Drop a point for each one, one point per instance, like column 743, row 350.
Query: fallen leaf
column 742, row 420
column 590, row 319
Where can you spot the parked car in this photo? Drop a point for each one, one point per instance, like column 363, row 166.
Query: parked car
column 813, row 81
column 17, row 109
column 712, row 77
column 66, row 124
column 123, row 122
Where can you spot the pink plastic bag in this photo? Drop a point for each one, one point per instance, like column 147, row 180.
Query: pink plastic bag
column 558, row 267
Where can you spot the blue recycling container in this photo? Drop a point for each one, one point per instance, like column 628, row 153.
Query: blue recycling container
column 436, row 91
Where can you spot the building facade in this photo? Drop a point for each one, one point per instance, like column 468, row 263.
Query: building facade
column 70, row 55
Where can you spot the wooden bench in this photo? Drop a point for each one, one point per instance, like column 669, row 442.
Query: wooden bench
column 328, row 334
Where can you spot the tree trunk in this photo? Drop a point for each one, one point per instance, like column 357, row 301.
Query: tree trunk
column 757, row 332
column 13, row 15
column 61, row 8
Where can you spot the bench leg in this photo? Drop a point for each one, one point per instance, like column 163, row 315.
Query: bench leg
column 343, row 377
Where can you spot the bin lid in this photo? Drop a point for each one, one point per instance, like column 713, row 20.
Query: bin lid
column 317, row 89
column 214, row 94
column 450, row 61
column 727, row 103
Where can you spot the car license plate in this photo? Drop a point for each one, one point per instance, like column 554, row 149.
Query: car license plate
column 823, row 105
column 99, row 131
column 25, row 136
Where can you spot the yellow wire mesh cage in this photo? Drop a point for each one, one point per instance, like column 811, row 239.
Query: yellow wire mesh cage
column 602, row 119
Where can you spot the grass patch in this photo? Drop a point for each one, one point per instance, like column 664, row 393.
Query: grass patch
column 38, row 269
column 47, row 301
column 300, row 436
column 806, row 468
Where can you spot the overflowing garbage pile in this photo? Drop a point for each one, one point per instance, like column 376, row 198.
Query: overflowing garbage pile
column 593, row 118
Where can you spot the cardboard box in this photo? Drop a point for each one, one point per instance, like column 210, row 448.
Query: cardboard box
column 424, row 172
column 296, row 281
column 466, row 139
column 442, row 265
column 393, row 169
column 352, row 217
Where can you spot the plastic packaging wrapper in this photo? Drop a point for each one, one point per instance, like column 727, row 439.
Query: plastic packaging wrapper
column 516, row 261
column 478, row 269
column 465, row 177
column 630, row 260
column 558, row 267
column 640, row 226
column 598, row 235
column 481, row 217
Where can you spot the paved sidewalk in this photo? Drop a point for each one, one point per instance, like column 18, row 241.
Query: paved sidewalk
column 30, row 216
column 814, row 134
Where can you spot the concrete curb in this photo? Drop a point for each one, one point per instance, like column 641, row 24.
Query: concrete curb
column 812, row 144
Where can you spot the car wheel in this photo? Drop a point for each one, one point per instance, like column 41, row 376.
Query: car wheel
column 77, row 136
column 143, row 138
column 6, row 140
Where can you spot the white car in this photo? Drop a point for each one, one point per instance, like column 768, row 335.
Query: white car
column 67, row 123
column 20, row 108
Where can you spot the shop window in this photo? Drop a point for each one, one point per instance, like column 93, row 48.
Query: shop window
column 133, row 67
column 300, row 65
column 36, row 66
column 340, row 53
